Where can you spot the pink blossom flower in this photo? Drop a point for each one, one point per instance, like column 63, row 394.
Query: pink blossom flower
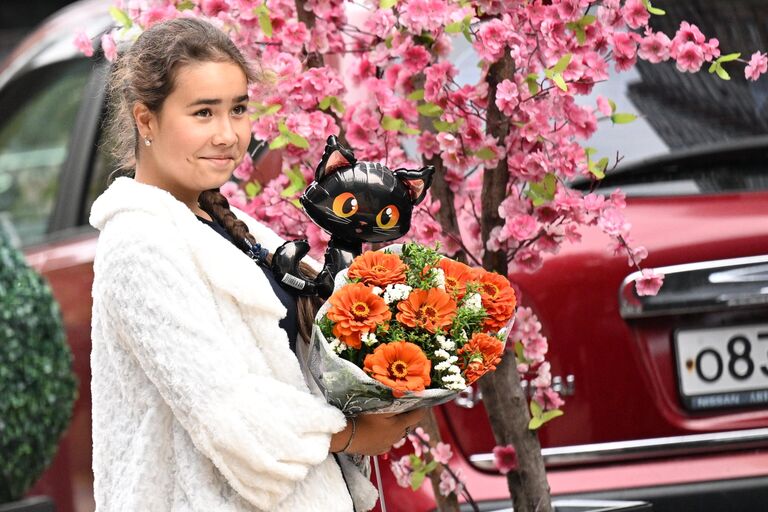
column 711, row 49
column 543, row 377
column 491, row 39
column 419, row 438
column 528, row 260
column 294, row 35
column 84, row 44
column 109, row 47
column 535, row 348
column 507, row 97
column 520, row 227
column 234, row 194
column 441, row 452
column 505, row 458
column 427, row 144
column 758, row 65
column 649, row 283
column 604, row 106
column 613, row 223
column 654, row 47
column 636, row 254
column 415, row 59
column 245, row 169
column 448, row 483
column 212, row 8
column 548, row 399
column 635, row 13
column 690, row 58
column 402, row 470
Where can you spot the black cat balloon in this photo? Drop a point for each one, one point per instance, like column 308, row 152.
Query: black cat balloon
column 354, row 202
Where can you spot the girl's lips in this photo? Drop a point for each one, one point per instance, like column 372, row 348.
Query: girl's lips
column 219, row 161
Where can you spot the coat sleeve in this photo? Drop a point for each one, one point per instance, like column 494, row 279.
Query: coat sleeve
column 262, row 434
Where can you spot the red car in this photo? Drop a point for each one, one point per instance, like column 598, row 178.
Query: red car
column 665, row 396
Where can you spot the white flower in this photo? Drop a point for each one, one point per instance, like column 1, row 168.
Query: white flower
column 463, row 336
column 369, row 339
column 439, row 278
column 336, row 345
column 473, row 301
column 454, row 369
column 442, row 354
column 376, row 290
column 442, row 366
column 445, row 343
column 395, row 292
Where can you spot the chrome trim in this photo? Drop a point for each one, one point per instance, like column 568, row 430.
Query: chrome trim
column 589, row 505
column 718, row 285
column 616, row 451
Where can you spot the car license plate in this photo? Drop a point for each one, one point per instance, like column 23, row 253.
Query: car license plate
column 723, row 367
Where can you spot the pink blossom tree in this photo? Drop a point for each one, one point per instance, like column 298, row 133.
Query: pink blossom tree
column 377, row 74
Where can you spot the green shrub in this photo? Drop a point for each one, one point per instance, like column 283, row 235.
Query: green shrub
column 37, row 386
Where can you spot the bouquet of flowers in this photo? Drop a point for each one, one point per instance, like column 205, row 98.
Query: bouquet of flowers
column 405, row 328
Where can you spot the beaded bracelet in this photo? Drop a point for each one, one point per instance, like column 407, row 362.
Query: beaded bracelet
column 354, row 429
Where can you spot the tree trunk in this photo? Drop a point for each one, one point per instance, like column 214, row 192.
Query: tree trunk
column 444, row 503
column 503, row 397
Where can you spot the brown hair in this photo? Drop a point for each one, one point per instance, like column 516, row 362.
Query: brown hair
column 145, row 73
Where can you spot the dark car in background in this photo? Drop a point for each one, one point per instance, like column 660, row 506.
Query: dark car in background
column 666, row 396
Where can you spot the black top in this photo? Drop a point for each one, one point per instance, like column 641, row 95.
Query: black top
column 290, row 322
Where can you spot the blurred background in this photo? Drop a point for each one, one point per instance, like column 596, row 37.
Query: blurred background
column 19, row 17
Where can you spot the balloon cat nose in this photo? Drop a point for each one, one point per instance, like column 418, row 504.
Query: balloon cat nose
column 363, row 223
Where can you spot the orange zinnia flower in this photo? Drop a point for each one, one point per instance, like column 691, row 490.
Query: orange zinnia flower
column 400, row 365
column 456, row 277
column 377, row 268
column 499, row 299
column 483, row 353
column 429, row 309
column 355, row 310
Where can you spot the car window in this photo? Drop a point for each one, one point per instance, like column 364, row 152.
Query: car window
column 39, row 111
column 103, row 168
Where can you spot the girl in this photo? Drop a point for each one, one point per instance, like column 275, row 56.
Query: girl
column 199, row 403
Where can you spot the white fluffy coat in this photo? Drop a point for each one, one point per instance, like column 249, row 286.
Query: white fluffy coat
column 198, row 402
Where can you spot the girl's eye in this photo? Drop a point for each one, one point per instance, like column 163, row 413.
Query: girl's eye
column 203, row 113
column 345, row 205
column 388, row 216
column 239, row 110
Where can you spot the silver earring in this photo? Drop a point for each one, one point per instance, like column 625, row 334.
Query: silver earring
column 147, row 141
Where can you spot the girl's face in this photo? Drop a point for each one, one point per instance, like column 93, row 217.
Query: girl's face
column 201, row 132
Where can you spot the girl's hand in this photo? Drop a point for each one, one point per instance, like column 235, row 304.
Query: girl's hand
column 376, row 433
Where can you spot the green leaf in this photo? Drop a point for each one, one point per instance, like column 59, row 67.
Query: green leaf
column 535, row 409
column 535, row 423
column 623, row 118
column 283, row 128
column 598, row 169
column 262, row 110
column 185, row 5
column 728, row 58
column 722, row 73
column 431, row 466
column 559, row 82
column 455, row 27
column 485, row 154
column 430, row 110
column 532, row 80
column 120, row 17
column 590, row 151
column 550, row 415
column 613, row 105
column 417, row 478
column 265, row 23
column 325, row 103
column 587, row 19
column 713, row 67
column 467, row 34
column 297, row 182
column 581, row 34
column 562, row 64
column 542, row 192
column 416, row 95
column 444, row 126
column 391, row 124
column 519, row 351
column 408, row 130
column 387, row 4
column 278, row 142
column 252, row 189
column 298, row 141
column 653, row 10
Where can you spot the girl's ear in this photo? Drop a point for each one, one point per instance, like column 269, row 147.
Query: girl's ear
column 143, row 118
column 416, row 181
column 334, row 158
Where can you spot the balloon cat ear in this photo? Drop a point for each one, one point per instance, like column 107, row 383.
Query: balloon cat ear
column 335, row 157
column 416, row 181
